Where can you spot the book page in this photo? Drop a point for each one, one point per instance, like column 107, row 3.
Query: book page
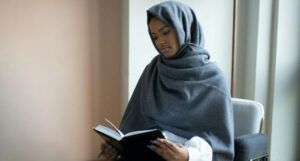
column 108, row 132
column 139, row 132
column 120, row 133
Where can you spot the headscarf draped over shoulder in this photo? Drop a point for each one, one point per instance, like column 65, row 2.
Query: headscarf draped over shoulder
column 187, row 94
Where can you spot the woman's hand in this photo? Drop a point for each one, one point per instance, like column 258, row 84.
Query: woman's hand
column 169, row 151
column 108, row 153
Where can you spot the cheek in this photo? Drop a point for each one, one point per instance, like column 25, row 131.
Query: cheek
column 155, row 42
column 175, row 43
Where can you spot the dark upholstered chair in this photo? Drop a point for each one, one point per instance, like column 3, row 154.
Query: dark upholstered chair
column 250, row 143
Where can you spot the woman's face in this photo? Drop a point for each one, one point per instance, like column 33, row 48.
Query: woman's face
column 164, row 36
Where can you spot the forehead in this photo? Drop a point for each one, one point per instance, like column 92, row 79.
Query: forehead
column 155, row 24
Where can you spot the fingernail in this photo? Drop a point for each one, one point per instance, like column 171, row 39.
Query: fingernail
column 161, row 140
column 153, row 141
column 150, row 147
column 98, row 156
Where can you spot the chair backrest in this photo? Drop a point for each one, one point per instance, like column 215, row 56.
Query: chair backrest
column 248, row 116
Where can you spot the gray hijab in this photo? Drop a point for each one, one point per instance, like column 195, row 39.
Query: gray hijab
column 187, row 94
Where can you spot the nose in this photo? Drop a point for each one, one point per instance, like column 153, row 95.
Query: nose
column 161, row 41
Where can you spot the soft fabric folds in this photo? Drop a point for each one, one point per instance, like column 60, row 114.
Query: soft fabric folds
column 187, row 94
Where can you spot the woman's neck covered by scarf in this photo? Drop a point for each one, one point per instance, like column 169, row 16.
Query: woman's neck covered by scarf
column 186, row 94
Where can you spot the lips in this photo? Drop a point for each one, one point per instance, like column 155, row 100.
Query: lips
column 164, row 49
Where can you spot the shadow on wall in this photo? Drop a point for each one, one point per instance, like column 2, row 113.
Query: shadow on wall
column 298, row 134
column 298, row 80
column 298, row 94
column 105, row 22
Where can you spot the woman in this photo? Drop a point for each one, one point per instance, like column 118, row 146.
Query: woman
column 181, row 92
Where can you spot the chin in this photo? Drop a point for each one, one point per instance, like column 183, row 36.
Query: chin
column 168, row 55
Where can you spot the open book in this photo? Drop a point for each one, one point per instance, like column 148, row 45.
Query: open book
column 131, row 146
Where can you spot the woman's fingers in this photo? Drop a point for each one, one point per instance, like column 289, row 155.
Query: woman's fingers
column 168, row 150
column 164, row 153
column 108, row 152
column 111, row 152
column 173, row 147
column 162, row 148
column 165, row 144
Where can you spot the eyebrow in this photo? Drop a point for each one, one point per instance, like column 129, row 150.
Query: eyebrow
column 163, row 28
column 160, row 29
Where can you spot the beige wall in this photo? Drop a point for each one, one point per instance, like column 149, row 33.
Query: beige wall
column 59, row 77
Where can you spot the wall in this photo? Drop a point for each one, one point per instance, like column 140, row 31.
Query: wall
column 106, row 54
column 215, row 18
column 286, row 93
column 59, row 77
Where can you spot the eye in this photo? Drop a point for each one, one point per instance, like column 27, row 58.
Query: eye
column 153, row 36
column 166, row 31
